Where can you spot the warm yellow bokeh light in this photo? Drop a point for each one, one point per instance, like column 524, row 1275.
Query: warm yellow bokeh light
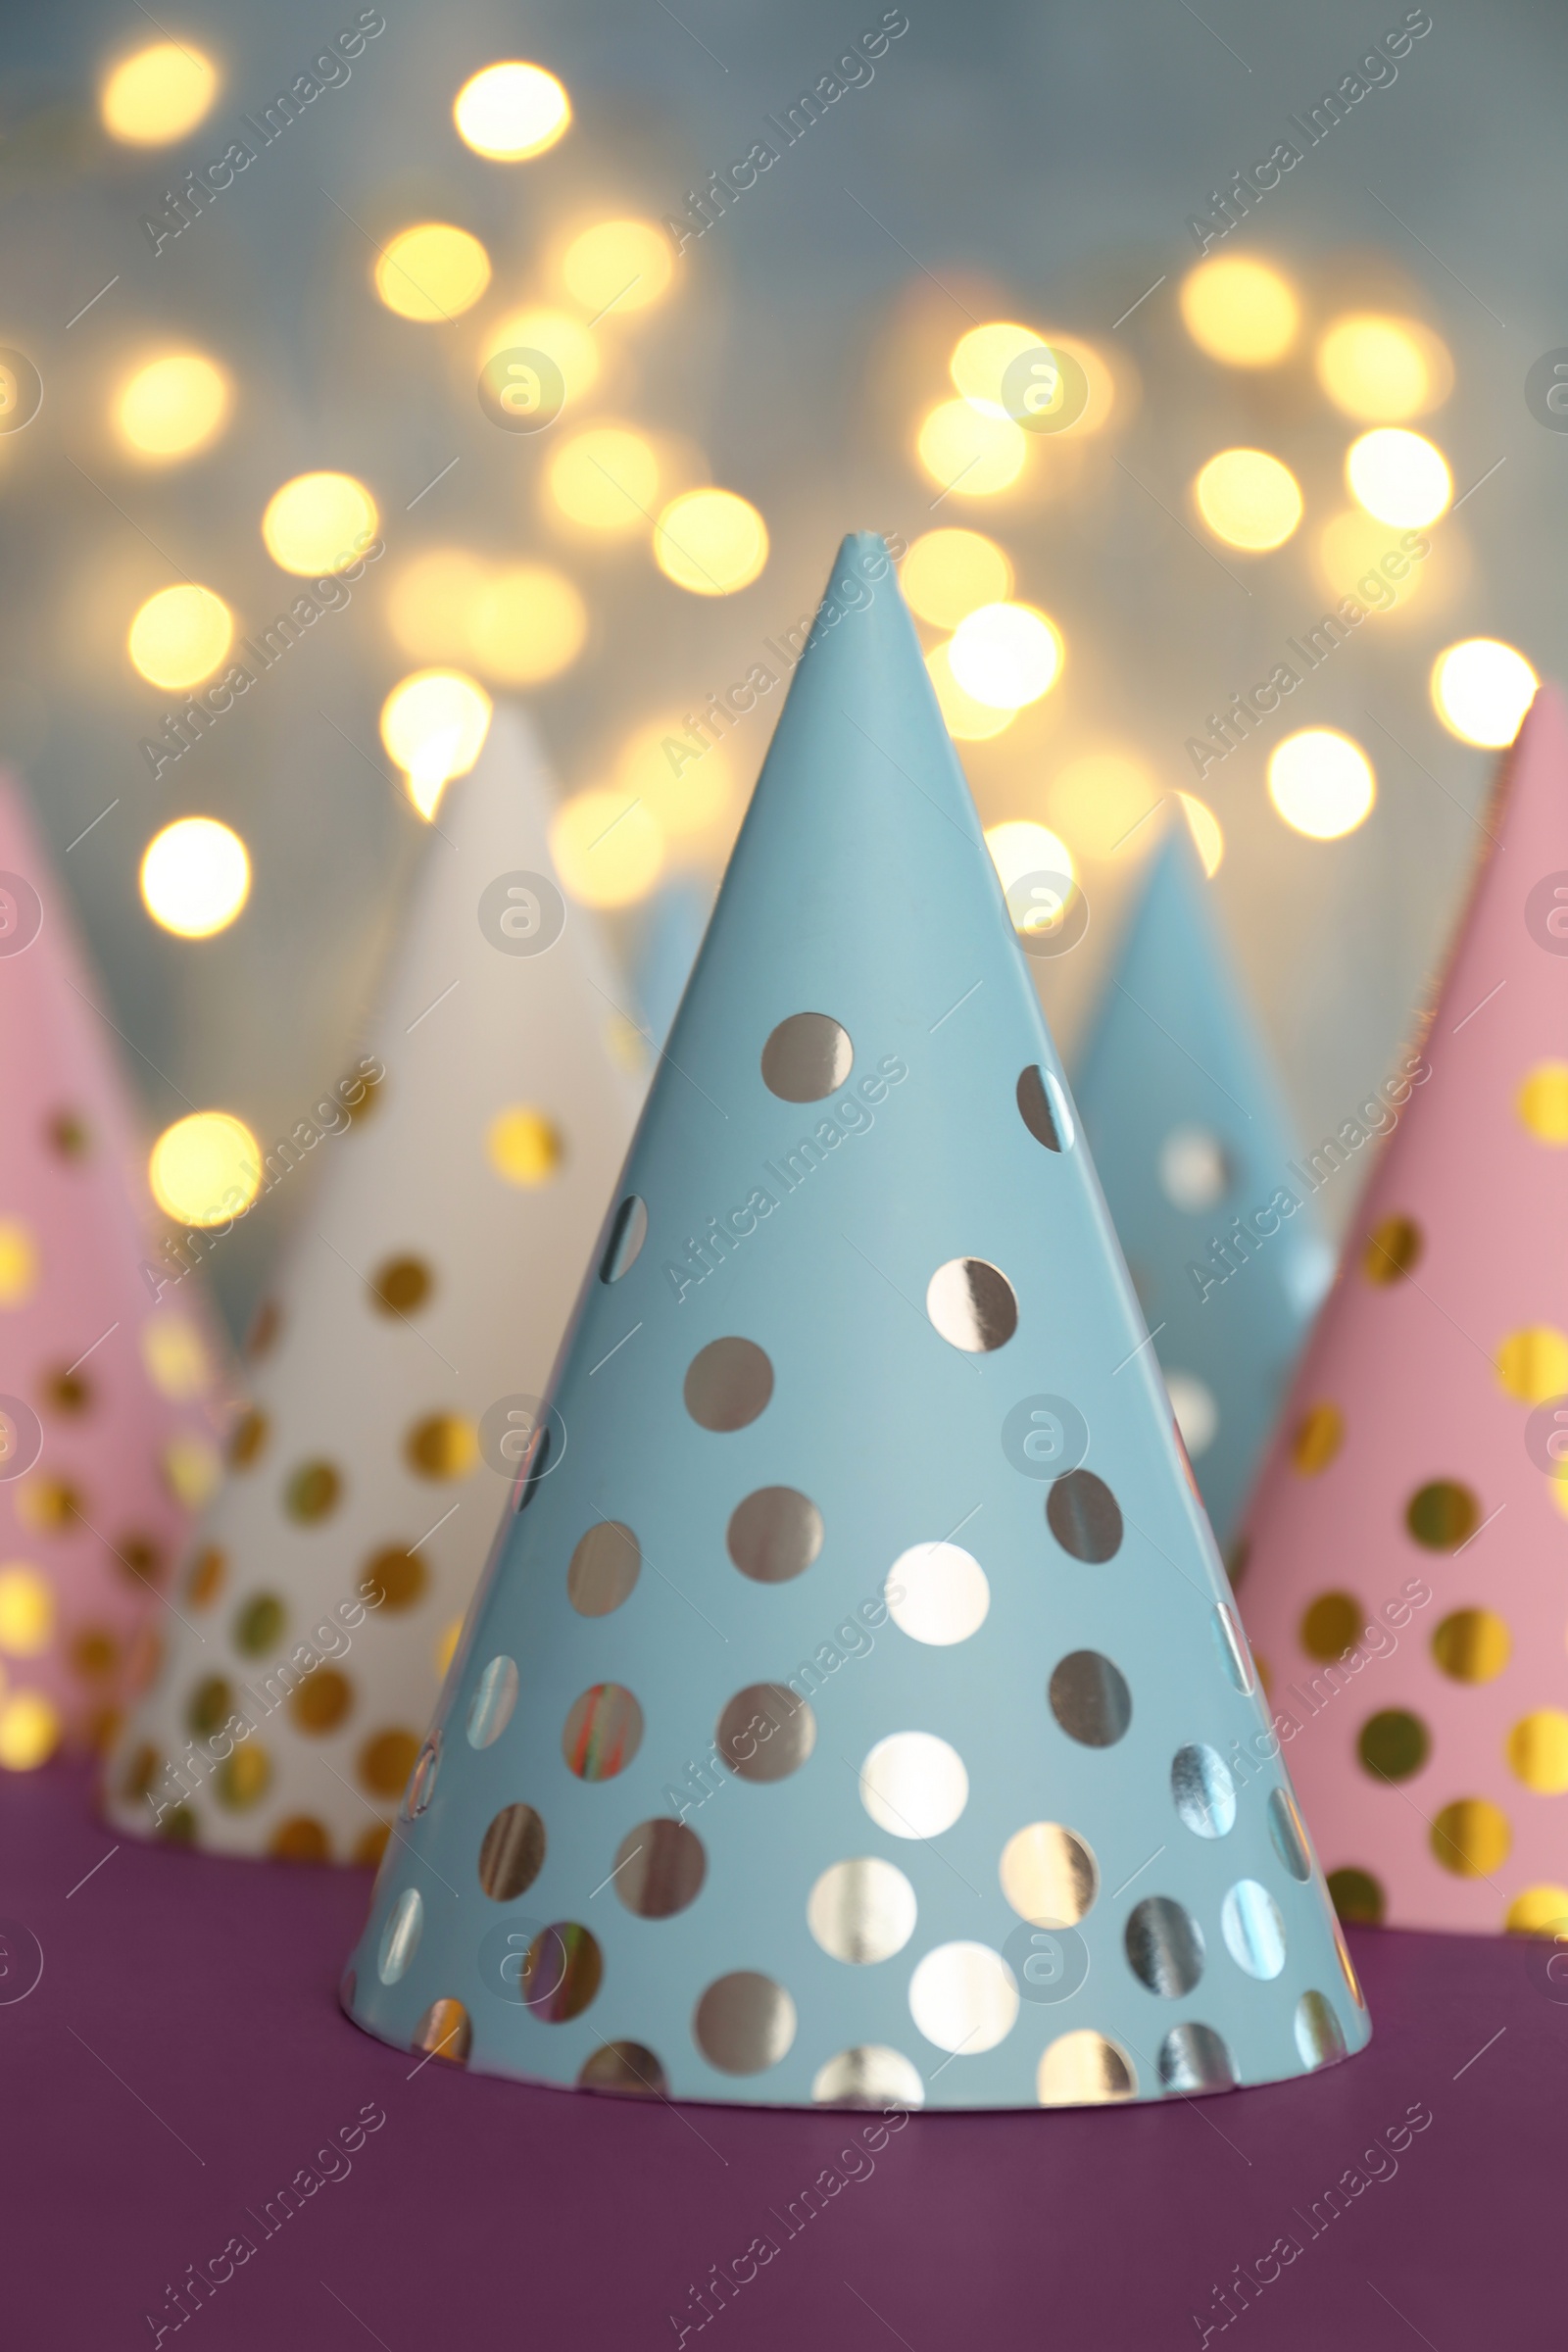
column 523, row 1146
column 431, row 271
column 1005, row 655
column 1240, row 310
column 1248, row 498
column 1383, row 370
column 319, row 523
column 617, row 266
column 608, row 848
column 1352, row 549
column 947, row 574
column 1102, row 798
column 193, row 1469
column 510, row 111
column 430, row 600
column 527, row 624
column 687, row 785
column 1481, row 690
column 969, row 451
column 605, row 479
column 433, row 725
column 205, row 1168
column 180, row 635
column 175, row 1356
column 172, row 407
column 26, row 1611
column 157, row 95
column 29, row 1730
column 19, row 1262
column 1020, row 849
column 980, row 359
column 1321, row 783
column 711, row 541
column 560, row 338
column 195, row 877
column 966, row 719
column 1209, row 836
column 1400, row 477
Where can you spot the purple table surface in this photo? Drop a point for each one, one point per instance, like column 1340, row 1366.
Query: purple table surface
column 182, row 2057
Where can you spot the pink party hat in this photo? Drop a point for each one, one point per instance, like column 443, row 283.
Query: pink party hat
column 1406, row 1579
column 108, row 1404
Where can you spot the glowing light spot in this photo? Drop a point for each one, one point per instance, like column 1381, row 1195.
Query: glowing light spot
column 1383, row 370
column 319, row 523
column 617, row 266
column 434, row 725
column 970, row 452
column 431, row 271
column 1101, row 797
column 1007, row 656
column 1481, row 690
column 26, row 1611
column 966, row 718
column 29, row 1730
column 1352, row 550
column 560, row 338
column 174, row 1356
column 1020, row 848
column 157, row 95
column 19, row 1262
column 206, row 1168
column 1400, row 477
column 1322, row 783
column 193, row 1469
column 195, row 877
column 180, row 635
column 980, row 361
column 605, row 479
column 609, row 848
column 947, row 574
column 527, row 624
column 688, row 786
column 1248, row 498
column 172, row 407
column 712, row 542
column 1240, row 312
column 512, row 110
column 524, row 1147
column 1208, row 837
column 430, row 600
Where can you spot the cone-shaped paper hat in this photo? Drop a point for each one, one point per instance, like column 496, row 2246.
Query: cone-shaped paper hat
column 1404, row 1577
column 1191, row 1141
column 404, row 1353
column 808, row 1738
column 108, row 1404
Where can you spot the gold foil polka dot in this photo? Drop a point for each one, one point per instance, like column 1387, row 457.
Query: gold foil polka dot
column 806, row 1058
column 258, row 1625
column 868, row 2076
column 861, row 1910
column 1317, row 1438
column 1393, row 1743
column 1542, row 1101
column 140, row 1559
column 626, row 2068
column 401, row 1286
column 1442, row 1515
column 1532, row 1363
column 206, row 1577
column 1319, row 2037
column 67, row 1135
column 1049, row 1875
column 766, row 1732
column 1538, row 1750
column 1084, row 2069
column 94, row 1653
column 243, row 1778
column 1472, row 1644
column 26, row 1611
column 142, row 1767
column 972, row 1304
column 560, row 1973
column 211, row 1705
column 659, row 1869
column 1164, row 1947
column 1393, row 1250
column 728, row 1382
column 397, row 1576
column 312, row 1492
column 525, row 1146
column 604, row 1569
column 445, row 2031
column 47, row 1506
column 247, row 1439
column 1089, row 1698
column 774, row 1534
column 1539, row 1911
column 1194, row 2058
column 386, row 1761
column 602, row 1732
column 512, row 1853
column 1471, row 1838
column 1331, row 1625
column 320, row 1701
column 177, row 1827
column 1358, row 1897
column 442, row 1445
column 299, row 1840
column 67, row 1392
column 1084, row 1516
column 744, row 2022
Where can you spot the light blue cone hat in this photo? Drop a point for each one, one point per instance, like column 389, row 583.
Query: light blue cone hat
column 1193, row 1147
column 855, row 1709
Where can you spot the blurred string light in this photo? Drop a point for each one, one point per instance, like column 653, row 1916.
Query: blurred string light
column 606, row 478
column 1102, row 798
column 195, row 877
column 947, row 574
column 431, row 271
column 157, row 95
column 1383, row 370
column 713, row 542
column 967, row 718
column 1208, row 835
column 1353, row 544
column 971, row 451
column 617, row 266
column 524, row 1147
column 528, row 623
column 1398, row 477
column 980, row 361
column 1240, row 312
column 1248, row 498
column 172, row 407
column 30, row 1730
column 433, row 726
column 1481, row 690
column 1005, row 656
column 180, row 635
column 313, row 524
column 206, row 1168
column 1022, row 850
column 26, row 1611
column 608, row 848
column 429, row 599
column 511, row 112
column 683, row 803
column 560, row 338
column 1321, row 783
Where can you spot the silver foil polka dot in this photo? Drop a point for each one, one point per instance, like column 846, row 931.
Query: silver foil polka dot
column 1287, row 1836
column 604, row 1568
column 1164, row 1947
column 766, row 1732
column 728, row 1382
column 861, row 1910
column 495, row 1695
column 775, row 1534
column 625, row 2067
column 1084, row 1516
column 868, row 2076
column 1195, row 2058
column 972, row 1304
column 628, row 1233
column 1203, row 1790
column 512, row 1853
column 400, row 1938
column 659, row 1869
column 744, row 2022
column 806, row 1056
column 1254, row 1930
column 1089, row 1698
column 1319, row 2035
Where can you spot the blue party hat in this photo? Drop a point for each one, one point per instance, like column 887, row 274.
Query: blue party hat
column 855, row 1709
column 1192, row 1142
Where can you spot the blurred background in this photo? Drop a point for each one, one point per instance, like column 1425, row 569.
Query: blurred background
column 465, row 318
